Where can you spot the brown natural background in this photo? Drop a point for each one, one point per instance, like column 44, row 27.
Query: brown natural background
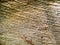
column 29, row 22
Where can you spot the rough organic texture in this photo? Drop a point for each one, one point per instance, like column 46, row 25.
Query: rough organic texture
column 56, row 22
column 23, row 23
